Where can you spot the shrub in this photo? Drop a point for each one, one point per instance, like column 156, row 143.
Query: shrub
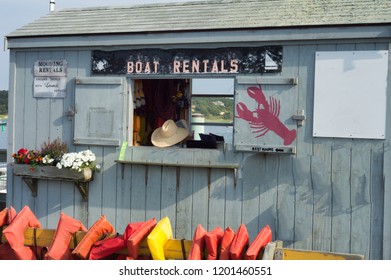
column 52, row 152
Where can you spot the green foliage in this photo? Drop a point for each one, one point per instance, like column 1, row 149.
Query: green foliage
column 3, row 102
column 214, row 109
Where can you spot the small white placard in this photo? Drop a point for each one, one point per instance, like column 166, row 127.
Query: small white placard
column 50, row 87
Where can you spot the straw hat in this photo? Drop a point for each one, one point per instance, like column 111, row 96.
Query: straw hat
column 168, row 135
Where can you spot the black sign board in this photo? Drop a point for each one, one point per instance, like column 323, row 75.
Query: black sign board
column 225, row 61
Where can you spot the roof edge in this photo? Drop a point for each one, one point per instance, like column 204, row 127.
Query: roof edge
column 203, row 30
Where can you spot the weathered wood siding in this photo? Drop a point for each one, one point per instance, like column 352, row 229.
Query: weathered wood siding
column 331, row 195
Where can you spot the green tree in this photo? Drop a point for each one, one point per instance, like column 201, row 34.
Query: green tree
column 214, row 108
column 3, row 102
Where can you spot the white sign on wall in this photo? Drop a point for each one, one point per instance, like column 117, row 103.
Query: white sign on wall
column 50, row 78
column 50, row 68
column 350, row 94
column 50, row 87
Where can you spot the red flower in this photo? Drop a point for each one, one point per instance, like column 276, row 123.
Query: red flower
column 22, row 151
column 25, row 156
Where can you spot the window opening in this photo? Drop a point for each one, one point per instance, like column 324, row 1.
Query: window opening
column 154, row 102
column 203, row 106
column 212, row 108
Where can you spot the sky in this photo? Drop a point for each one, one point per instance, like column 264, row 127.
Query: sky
column 17, row 13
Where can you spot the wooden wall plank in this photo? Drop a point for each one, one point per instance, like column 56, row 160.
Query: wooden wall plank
column 153, row 193
column 304, row 203
column 107, row 156
column 387, row 204
column 68, row 193
column 169, row 195
column 377, row 202
column 138, row 192
column 95, row 195
column 184, row 227
column 123, row 206
column 341, row 198
column 233, row 194
column 200, row 196
column 321, row 183
column 252, row 170
column 216, row 208
column 268, row 194
column 361, row 198
column 286, row 201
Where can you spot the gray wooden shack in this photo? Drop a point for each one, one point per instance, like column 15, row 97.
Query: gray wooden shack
column 318, row 177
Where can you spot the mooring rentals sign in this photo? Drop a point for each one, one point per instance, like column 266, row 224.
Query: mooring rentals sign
column 225, row 61
column 50, row 77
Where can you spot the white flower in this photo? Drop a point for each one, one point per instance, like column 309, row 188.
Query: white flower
column 47, row 159
column 78, row 161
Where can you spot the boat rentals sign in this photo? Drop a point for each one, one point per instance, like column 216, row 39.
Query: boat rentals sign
column 226, row 61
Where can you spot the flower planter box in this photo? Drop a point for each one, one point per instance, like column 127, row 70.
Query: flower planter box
column 52, row 173
column 31, row 174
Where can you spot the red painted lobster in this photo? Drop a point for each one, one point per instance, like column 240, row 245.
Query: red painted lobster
column 265, row 116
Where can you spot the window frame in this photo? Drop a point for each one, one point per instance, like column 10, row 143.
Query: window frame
column 203, row 95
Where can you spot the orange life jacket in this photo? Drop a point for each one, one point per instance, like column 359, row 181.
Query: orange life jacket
column 94, row 233
column 239, row 243
column 6, row 217
column 198, row 244
column 213, row 241
column 259, row 243
column 15, row 233
column 134, row 240
column 66, row 227
column 226, row 242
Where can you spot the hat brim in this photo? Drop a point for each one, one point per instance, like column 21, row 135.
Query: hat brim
column 159, row 141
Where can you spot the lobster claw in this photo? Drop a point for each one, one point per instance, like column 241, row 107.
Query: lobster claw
column 244, row 112
column 258, row 95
